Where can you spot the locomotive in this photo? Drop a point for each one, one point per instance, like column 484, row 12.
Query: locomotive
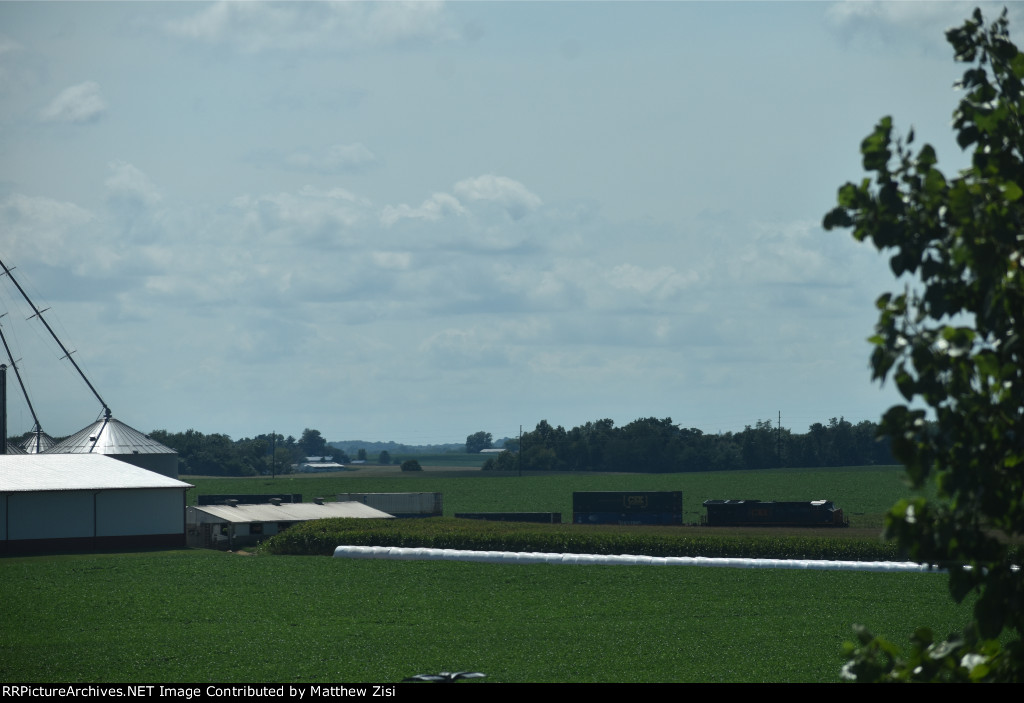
column 757, row 513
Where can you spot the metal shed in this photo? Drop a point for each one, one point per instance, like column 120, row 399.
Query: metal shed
column 83, row 502
column 230, row 526
column 113, row 438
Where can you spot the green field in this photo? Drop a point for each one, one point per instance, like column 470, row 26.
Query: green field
column 864, row 493
column 195, row 616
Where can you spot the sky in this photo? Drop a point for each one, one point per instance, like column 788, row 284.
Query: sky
column 416, row 221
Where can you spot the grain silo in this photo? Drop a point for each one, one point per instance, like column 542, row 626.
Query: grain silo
column 113, row 438
column 107, row 436
column 38, row 442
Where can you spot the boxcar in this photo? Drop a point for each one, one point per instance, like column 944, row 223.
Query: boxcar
column 812, row 513
column 627, row 507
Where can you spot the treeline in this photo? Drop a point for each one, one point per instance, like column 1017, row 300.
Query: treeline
column 647, row 445
column 219, row 455
column 650, row 445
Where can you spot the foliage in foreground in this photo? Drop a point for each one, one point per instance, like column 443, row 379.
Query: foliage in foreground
column 322, row 536
column 954, row 341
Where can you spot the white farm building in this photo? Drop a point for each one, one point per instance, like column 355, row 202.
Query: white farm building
column 234, row 525
column 85, row 502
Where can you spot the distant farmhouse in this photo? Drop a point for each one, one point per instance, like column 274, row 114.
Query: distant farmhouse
column 318, row 465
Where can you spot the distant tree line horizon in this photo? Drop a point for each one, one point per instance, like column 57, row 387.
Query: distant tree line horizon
column 646, row 445
column 652, row 445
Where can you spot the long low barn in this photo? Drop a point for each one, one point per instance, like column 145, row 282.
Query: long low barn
column 86, row 501
column 237, row 525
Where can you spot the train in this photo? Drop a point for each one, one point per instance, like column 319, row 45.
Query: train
column 666, row 508
column 757, row 513
column 627, row 507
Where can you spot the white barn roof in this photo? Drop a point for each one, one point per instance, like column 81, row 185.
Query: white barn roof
column 75, row 472
column 286, row 512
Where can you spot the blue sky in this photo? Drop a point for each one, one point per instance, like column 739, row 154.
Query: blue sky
column 414, row 221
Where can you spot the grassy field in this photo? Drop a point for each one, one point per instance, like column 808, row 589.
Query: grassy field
column 864, row 493
column 194, row 616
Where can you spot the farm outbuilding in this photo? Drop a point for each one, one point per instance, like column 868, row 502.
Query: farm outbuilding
column 411, row 504
column 113, row 438
column 238, row 525
column 82, row 502
column 318, row 464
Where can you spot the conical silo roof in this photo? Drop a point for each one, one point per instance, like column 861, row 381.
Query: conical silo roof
column 111, row 437
column 13, row 448
column 38, row 443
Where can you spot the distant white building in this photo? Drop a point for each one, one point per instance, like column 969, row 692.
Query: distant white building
column 318, row 464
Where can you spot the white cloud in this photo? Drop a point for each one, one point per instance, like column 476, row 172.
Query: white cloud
column 43, row 229
column 438, row 206
column 512, row 195
column 78, row 104
column 913, row 24
column 661, row 283
column 494, row 344
column 335, row 158
column 395, row 260
column 391, row 22
column 127, row 184
column 253, row 27
column 311, row 215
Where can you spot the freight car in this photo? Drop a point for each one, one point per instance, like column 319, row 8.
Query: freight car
column 813, row 513
column 627, row 507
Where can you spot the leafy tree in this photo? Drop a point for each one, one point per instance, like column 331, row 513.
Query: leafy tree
column 384, row 458
column 477, row 442
column 953, row 341
column 411, row 465
column 505, row 461
column 283, row 460
column 313, row 443
column 338, row 455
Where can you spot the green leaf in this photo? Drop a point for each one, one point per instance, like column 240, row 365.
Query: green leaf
column 1011, row 191
column 954, row 345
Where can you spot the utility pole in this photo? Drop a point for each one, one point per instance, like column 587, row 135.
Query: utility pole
column 778, row 441
column 3, row 408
